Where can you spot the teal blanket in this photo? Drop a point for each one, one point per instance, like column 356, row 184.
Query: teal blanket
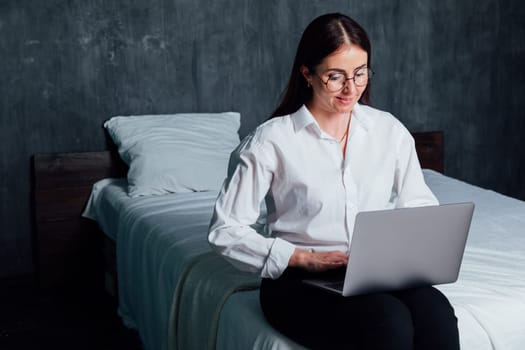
column 199, row 298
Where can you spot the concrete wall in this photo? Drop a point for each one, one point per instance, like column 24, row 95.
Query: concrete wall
column 67, row 66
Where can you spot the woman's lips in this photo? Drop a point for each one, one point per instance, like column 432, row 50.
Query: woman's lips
column 343, row 100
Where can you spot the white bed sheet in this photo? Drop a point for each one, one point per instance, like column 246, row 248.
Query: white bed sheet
column 158, row 239
column 489, row 296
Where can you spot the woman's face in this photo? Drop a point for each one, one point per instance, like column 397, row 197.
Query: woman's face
column 349, row 61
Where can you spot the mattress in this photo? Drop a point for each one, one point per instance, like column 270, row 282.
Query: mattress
column 180, row 295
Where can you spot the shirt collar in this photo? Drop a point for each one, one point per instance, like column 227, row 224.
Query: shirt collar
column 302, row 117
column 360, row 115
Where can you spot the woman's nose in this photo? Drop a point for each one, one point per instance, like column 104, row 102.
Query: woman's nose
column 349, row 86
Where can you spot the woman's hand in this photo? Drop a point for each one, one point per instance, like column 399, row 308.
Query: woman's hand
column 317, row 261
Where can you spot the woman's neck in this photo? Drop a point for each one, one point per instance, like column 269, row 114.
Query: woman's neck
column 334, row 124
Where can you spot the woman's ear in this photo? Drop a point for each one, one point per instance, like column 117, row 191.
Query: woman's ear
column 306, row 74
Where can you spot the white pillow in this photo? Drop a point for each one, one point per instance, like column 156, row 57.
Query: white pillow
column 175, row 152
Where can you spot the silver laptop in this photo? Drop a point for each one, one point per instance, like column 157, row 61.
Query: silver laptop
column 402, row 248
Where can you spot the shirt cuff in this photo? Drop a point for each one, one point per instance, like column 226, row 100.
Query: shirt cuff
column 280, row 254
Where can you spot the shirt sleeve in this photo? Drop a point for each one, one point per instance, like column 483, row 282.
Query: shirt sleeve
column 409, row 183
column 238, row 207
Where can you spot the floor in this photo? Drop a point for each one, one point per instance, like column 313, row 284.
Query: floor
column 34, row 318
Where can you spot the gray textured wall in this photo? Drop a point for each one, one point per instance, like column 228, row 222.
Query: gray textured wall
column 66, row 66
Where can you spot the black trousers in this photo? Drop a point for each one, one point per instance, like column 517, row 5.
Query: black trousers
column 417, row 318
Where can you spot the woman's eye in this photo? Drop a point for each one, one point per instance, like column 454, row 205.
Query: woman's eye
column 361, row 72
column 335, row 77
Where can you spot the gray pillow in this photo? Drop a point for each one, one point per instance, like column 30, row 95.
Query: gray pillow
column 175, row 152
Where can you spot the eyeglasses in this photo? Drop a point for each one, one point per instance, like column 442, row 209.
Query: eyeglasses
column 337, row 81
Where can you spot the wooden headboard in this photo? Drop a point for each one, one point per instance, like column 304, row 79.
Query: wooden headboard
column 67, row 246
column 430, row 148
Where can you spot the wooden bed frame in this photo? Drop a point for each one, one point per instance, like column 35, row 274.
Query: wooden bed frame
column 70, row 250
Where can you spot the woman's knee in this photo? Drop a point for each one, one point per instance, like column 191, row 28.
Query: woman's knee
column 397, row 320
column 435, row 323
column 388, row 325
column 428, row 303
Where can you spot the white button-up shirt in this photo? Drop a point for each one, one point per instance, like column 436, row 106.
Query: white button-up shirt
column 312, row 192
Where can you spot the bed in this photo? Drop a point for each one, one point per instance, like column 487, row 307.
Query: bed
column 180, row 295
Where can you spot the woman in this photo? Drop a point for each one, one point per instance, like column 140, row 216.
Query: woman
column 325, row 156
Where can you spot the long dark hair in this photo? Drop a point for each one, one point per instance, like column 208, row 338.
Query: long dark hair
column 323, row 36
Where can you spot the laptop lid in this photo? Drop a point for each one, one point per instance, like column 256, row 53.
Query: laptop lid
column 406, row 247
